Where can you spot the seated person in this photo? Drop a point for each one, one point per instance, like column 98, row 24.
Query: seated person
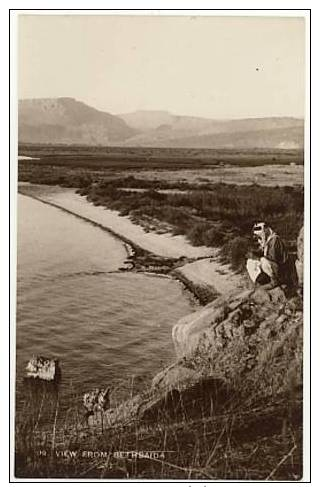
column 269, row 270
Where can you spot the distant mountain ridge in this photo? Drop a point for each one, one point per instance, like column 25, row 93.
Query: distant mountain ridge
column 144, row 120
column 282, row 138
column 147, row 119
column 68, row 121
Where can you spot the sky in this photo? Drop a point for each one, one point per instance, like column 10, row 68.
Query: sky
column 216, row 67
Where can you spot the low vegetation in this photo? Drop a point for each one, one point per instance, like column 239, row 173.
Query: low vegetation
column 214, row 215
column 152, row 157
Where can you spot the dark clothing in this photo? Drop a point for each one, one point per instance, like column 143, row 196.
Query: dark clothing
column 263, row 278
column 275, row 250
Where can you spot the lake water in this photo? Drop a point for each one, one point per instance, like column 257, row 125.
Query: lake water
column 106, row 327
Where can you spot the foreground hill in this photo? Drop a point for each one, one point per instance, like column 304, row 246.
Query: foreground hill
column 68, row 121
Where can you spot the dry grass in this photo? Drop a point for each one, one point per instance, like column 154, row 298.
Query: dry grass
column 254, row 432
column 236, row 444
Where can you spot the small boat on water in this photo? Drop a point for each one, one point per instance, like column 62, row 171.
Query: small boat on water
column 43, row 368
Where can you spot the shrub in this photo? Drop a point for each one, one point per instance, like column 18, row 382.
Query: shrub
column 196, row 234
column 235, row 252
column 213, row 237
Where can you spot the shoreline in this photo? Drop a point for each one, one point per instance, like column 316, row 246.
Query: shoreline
column 141, row 260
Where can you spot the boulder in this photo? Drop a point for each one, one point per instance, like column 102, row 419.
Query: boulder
column 262, row 297
column 43, row 368
column 187, row 333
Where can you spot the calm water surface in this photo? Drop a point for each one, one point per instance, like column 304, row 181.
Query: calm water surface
column 104, row 326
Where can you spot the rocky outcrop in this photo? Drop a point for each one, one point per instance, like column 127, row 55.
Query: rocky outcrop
column 188, row 331
column 241, row 347
column 217, row 317
column 249, row 349
column 300, row 252
column 252, row 344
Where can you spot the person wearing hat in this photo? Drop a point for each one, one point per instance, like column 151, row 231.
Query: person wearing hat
column 269, row 270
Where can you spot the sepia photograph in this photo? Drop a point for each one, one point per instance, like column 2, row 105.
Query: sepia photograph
column 161, row 164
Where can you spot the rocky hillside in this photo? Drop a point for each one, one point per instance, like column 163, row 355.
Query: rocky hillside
column 68, row 121
column 237, row 380
column 230, row 407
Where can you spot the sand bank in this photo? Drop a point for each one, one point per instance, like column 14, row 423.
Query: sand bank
column 210, row 272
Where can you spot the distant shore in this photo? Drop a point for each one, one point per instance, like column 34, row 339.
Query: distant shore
column 196, row 267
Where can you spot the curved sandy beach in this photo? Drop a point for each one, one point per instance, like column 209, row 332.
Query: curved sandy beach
column 204, row 272
column 164, row 245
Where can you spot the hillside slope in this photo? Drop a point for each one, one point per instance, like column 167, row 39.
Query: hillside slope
column 159, row 128
column 68, row 121
column 228, row 136
column 277, row 138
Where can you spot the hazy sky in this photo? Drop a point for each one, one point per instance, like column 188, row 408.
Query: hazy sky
column 220, row 67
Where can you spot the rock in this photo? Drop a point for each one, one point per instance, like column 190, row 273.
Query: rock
column 175, row 376
column 274, row 296
column 277, row 296
column 43, row 368
column 300, row 254
column 300, row 244
column 188, row 331
column 281, row 319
